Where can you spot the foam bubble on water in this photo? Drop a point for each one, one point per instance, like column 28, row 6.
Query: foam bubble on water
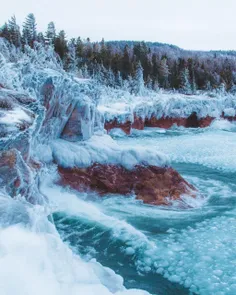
column 203, row 258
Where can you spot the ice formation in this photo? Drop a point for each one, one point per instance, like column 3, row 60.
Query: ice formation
column 103, row 149
column 163, row 104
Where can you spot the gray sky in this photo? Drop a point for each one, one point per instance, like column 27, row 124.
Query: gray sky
column 190, row 24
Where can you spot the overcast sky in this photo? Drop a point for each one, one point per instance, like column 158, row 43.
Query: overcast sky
column 190, row 24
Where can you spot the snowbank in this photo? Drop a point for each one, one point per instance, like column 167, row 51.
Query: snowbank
column 104, row 150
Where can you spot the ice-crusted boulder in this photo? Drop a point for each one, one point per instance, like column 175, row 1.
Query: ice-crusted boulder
column 101, row 165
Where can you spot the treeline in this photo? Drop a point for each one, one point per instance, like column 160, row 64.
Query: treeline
column 133, row 65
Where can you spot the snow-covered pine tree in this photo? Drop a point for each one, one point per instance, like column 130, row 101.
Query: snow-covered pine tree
column 138, row 80
column 29, row 30
column 85, row 72
column 14, row 31
column 40, row 38
column 149, row 83
column 164, row 73
column 71, row 61
column 208, row 86
column 119, row 80
column 222, row 89
column 4, row 32
column 155, row 84
column 185, row 82
column 194, row 85
column 110, row 79
column 51, row 32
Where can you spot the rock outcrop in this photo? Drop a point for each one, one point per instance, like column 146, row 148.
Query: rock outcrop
column 153, row 185
column 193, row 121
column 76, row 119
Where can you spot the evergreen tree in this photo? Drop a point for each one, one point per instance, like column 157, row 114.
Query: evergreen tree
column 61, row 45
column 14, row 32
column 110, row 79
column 51, row 32
column 155, row 84
column 40, row 38
column 85, row 71
column 149, row 83
column 5, row 33
column 119, row 80
column 164, row 73
column 208, row 86
column 126, row 63
column 194, row 85
column 79, row 47
column 29, row 30
column 185, row 82
column 71, row 61
column 138, row 80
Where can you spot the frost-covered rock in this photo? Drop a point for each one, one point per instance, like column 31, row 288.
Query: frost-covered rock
column 14, row 114
column 15, row 176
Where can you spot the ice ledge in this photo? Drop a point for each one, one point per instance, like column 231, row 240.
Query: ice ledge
column 103, row 149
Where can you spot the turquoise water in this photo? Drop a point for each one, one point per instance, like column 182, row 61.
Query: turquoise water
column 163, row 250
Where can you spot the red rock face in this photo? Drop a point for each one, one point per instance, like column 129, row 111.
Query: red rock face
column 138, row 123
column 206, row 122
column 153, row 185
column 164, row 122
column 126, row 127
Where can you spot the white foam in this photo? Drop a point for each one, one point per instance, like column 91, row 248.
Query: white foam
column 200, row 258
column 34, row 260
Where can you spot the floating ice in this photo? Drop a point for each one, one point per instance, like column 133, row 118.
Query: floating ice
column 209, row 147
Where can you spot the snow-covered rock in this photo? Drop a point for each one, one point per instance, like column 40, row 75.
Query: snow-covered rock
column 166, row 109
